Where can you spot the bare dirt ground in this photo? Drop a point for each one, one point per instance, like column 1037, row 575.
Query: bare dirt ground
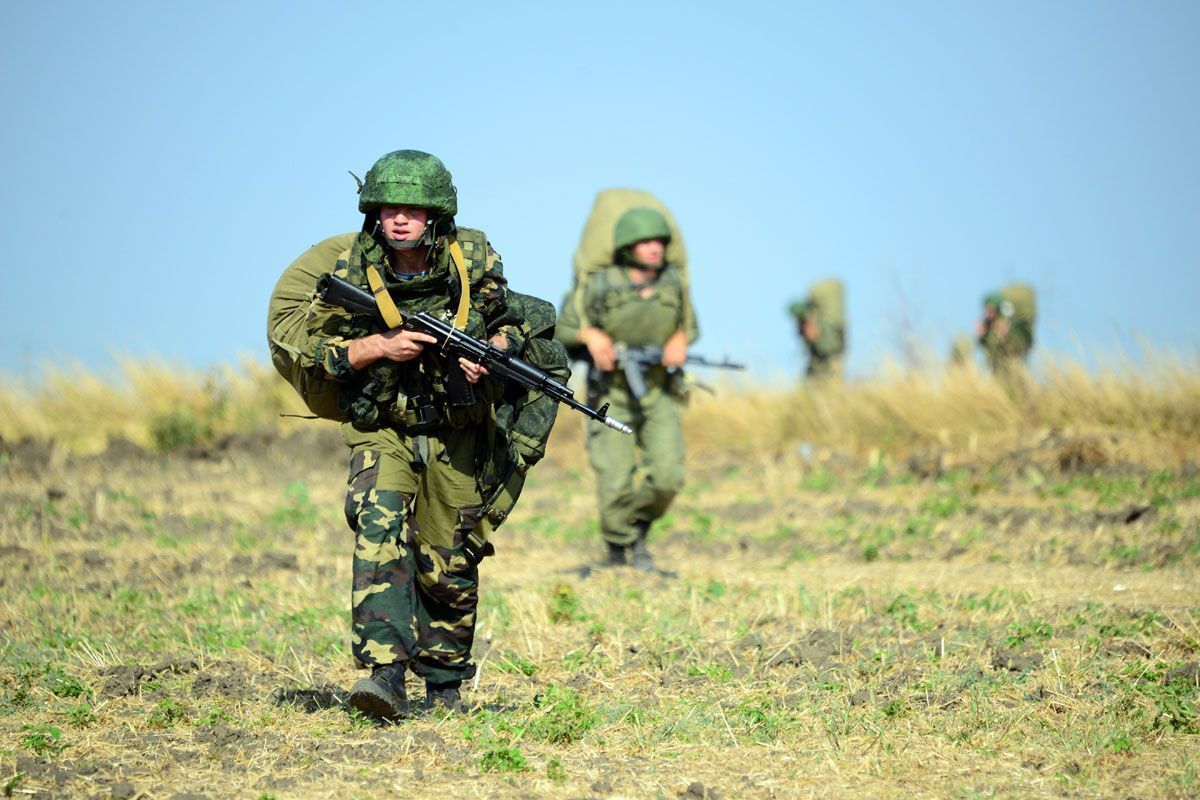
column 1020, row 624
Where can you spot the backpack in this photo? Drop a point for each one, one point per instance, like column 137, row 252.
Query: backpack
column 287, row 314
column 828, row 296
column 1024, row 301
column 595, row 249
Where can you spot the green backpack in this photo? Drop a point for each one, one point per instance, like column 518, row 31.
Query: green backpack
column 828, row 297
column 1024, row 301
column 287, row 315
column 595, row 249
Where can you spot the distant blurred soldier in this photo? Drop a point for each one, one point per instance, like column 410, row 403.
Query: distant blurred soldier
column 821, row 324
column 1006, row 330
column 436, row 454
column 638, row 299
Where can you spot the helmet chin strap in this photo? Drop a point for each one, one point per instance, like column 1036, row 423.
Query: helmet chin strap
column 426, row 238
column 408, row 244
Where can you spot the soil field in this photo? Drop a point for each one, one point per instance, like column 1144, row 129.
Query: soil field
column 1024, row 623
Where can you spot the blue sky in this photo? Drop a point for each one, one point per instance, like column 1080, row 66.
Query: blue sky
column 163, row 162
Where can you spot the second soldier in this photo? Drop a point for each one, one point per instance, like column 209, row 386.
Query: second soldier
column 639, row 299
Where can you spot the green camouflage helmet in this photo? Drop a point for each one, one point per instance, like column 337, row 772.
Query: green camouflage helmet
column 409, row 178
column 637, row 225
column 996, row 300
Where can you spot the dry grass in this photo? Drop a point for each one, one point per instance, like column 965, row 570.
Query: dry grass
column 909, row 587
column 897, row 413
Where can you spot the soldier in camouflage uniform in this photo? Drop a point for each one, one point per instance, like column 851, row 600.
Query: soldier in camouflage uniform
column 1005, row 335
column 824, row 336
column 639, row 300
column 424, row 454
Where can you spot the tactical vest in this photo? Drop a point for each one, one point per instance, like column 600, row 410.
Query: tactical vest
column 616, row 306
column 417, row 396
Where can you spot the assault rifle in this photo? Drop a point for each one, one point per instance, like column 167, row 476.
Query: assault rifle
column 455, row 344
column 635, row 360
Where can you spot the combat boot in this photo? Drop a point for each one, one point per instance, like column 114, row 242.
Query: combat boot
column 642, row 560
column 616, row 555
column 383, row 694
column 443, row 696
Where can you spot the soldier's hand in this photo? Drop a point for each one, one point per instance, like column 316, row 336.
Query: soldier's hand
column 600, row 347
column 472, row 370
column 402, row 345
column 394, row 345
column 675, row 350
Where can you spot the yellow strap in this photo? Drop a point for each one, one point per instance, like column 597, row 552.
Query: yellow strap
column 464, row 297
column 391, row 314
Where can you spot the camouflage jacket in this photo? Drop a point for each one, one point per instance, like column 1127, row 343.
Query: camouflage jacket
column 416, row 395
column 830, row 342
column 1015, row 344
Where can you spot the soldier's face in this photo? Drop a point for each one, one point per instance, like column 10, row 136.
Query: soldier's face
column 650, row 252
column 403, row 223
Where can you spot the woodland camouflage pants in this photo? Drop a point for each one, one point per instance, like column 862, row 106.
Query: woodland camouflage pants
column 414, row 591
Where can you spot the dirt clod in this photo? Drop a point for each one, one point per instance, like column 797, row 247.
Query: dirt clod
column 1081, row 455
column 234, row 686
column 698, row 791
column 1189, row 672
column 122, row 791
column 123, row 680
column 279, row 560
column 311, row 700
column 1127, row 649
column 1016, row 660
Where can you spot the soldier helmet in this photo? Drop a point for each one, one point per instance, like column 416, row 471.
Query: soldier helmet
column 409, row 178
column 637, row 225
column 997, row 301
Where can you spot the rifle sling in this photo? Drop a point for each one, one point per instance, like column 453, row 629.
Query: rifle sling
column 383, row 301
column 392, row 316
column 464, row 297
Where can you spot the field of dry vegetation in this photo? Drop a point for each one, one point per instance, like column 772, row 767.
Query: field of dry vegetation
column 906, row 587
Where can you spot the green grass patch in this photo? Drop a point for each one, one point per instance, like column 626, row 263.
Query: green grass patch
column 44, row 741
column 564, row 604
column 503, row 759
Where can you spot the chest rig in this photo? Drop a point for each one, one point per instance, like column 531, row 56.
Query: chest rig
column 429, row 392
column 617, row 305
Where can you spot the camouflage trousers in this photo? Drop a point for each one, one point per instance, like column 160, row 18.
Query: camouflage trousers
column 637, row 476
column 410, row 503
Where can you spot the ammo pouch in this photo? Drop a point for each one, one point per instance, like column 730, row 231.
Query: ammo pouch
column 380, row 399
column 499, row 462
column 499, row 500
